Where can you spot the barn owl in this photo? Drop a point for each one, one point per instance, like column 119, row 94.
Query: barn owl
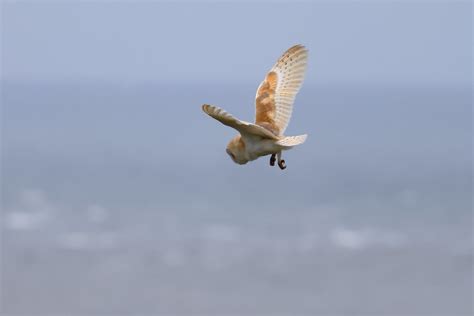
column 273, row 108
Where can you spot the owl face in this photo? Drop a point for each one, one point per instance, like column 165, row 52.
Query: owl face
column 236, row 150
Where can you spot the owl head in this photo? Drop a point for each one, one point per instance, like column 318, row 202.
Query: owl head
column 236, row 150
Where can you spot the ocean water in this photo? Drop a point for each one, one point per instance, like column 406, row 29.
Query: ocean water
column 122, row 200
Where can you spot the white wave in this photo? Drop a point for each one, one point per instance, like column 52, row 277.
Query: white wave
column 363, row 238
column 21, row 220
column 31, row 211
column 221, row 233
column 97, row 213
column 87, row 240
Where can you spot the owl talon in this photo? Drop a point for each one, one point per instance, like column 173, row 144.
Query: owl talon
column 282, row 164
column 272, row 160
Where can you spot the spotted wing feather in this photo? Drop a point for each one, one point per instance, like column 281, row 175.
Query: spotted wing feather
column 276, row 94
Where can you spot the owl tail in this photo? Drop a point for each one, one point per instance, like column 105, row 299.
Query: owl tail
column 290, row 141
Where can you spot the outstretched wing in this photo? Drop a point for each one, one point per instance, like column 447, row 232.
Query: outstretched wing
column 244, row 128
column 277, row 92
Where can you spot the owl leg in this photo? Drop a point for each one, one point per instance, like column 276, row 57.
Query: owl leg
column 272, row 160
column 281, row 162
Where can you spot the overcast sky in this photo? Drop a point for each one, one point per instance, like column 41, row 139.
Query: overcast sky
column 391, row 42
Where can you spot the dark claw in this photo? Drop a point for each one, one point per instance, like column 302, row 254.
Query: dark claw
column 272, row 160
column 282, row 164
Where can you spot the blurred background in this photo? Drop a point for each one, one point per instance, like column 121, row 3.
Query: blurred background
column 118, row 196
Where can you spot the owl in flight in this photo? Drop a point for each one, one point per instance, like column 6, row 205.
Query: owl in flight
column 273, row 108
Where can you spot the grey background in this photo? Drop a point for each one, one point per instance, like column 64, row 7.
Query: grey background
column 118, row 196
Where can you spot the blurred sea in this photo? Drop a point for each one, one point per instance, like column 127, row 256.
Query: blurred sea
column 122, row 200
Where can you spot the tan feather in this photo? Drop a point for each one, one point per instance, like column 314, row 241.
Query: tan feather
column 244, row 128
column 277, row 92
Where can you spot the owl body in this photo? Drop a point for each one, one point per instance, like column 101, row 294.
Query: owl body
column 262, row 147
column 245, row 149
column 273, row 108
